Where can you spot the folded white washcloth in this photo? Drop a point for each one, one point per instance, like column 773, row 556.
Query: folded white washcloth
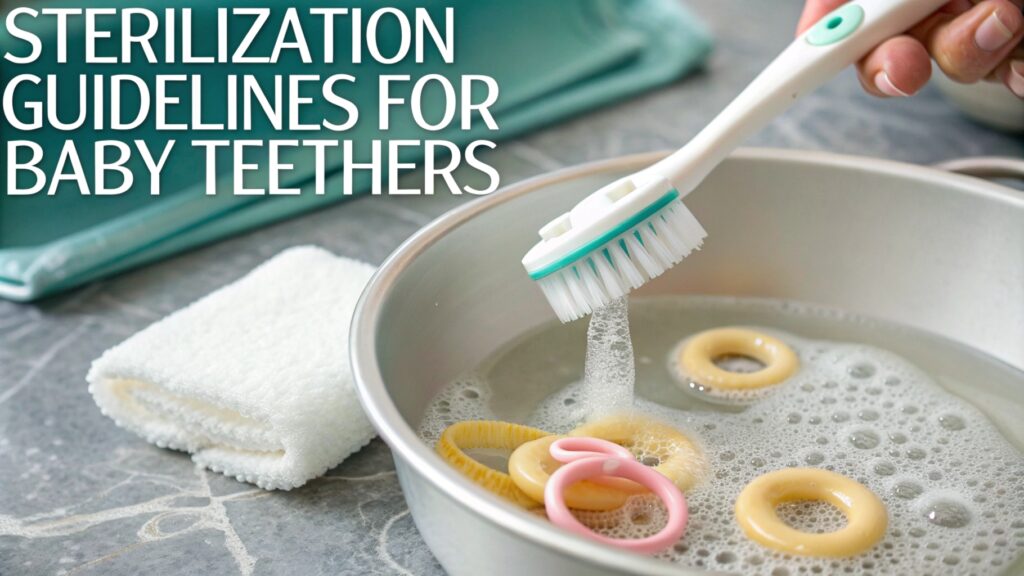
column 253, row 379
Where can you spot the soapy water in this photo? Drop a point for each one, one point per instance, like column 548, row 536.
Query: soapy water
column 952, row 484
column 609, row 372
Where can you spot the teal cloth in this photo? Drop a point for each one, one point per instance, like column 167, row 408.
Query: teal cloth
column 551, row 60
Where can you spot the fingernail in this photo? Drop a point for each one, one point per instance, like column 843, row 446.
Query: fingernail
column 993, row 33
column 1016, row 79
column 886, row 86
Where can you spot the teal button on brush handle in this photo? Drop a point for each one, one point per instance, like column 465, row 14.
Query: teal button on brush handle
column 838, row 40
column 619, row 237
column 837, row 25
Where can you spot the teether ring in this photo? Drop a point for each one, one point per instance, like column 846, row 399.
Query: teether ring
column 866, row 517
column 487, row 434
column 576, row 448
column 678, row 459
column 532, row 464
column 588, row 458
column 697, row 358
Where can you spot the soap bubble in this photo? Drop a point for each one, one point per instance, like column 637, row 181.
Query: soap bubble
column 862, row 370
column 947, row 513
column 907, row 489
column 864, row 439
column 952, row 422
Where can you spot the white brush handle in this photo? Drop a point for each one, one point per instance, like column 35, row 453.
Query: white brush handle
column 840, row 39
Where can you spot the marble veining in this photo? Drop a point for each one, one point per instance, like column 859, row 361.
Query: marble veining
column 80, row 496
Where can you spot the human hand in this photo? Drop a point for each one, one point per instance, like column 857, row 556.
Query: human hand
column 971, row 40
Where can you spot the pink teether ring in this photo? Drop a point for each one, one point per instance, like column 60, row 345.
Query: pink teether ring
column 594, row 466
column 574, row 448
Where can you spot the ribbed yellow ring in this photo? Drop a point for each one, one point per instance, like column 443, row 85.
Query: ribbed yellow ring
column 697, row 358
column 866, row 516
column 487, row 434
column 531, row 465
column 678, row 458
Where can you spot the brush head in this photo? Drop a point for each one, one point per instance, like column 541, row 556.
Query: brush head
column 612, row 242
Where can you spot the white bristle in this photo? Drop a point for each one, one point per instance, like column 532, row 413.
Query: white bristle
column 624, row 263
column 624, row 266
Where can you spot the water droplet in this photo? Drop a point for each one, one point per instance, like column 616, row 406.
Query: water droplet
column 868, row 415
column 814, row 420
column 864, row 439
column 947, row 513
column 907, row 490
column 840, row 416
column 861, row 370
column 951, row 422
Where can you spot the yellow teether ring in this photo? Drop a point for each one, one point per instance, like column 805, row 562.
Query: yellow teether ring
column 697, row 358
column 487, row 434
column 866, row 517
column 531, row 465
column 678, row 459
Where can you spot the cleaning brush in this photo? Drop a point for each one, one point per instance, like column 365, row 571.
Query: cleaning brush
column 637, row 227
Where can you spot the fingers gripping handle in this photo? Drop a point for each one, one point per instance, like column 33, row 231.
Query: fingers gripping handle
column 839, row 39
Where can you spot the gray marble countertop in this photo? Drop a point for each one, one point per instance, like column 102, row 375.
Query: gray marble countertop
column 80, row 495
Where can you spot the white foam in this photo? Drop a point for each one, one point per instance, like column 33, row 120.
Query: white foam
column 609, row 373
column 953, row 486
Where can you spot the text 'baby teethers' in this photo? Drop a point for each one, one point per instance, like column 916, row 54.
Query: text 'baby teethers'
column 593, row 458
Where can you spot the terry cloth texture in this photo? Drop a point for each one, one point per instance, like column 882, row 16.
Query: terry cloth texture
column 254, row 379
